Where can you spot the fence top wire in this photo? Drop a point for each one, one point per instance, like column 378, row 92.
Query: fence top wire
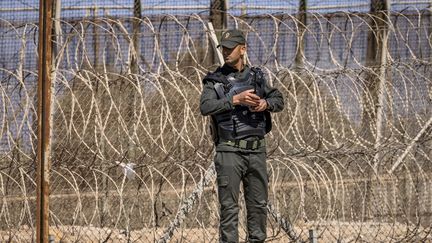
column 71, row 8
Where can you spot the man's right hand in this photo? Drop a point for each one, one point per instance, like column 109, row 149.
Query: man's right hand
column 246, row 97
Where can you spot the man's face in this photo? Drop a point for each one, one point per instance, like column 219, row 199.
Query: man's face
column 233, row 55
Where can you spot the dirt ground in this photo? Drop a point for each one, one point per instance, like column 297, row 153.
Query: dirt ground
column 325, row 232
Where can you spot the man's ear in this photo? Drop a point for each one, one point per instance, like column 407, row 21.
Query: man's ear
column 243, row 49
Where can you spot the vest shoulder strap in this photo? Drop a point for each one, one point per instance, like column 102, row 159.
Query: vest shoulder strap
column 259, row 75
column 216, row 77
column 219, row 87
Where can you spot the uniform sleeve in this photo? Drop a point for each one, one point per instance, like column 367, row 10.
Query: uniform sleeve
column 274, row 98
column 210, row 104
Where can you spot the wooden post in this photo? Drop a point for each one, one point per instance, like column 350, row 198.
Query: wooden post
column 44, row 120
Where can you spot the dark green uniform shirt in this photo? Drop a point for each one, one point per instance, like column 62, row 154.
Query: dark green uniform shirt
column 210, row 104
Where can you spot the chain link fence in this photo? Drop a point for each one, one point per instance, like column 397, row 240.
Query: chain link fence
column 131, row 158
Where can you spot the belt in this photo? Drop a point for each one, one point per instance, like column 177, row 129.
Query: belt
column 244, row 144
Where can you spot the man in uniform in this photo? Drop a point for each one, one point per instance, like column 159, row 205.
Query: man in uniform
column 239, row 99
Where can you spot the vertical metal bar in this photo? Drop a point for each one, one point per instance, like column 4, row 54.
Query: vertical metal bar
column 218, row 16
column 51, row 239
column 218, row 20
column 134, row 66
column 312, row 236
column 373, row 113
column 57, row 25
column 302, row 18
column 215, row 43
column 375, row 44
column 44, row 108
column 135, row 36
column 377, row 57
column 95, row 38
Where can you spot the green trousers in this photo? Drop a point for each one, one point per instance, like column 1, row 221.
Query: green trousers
column 251, row 169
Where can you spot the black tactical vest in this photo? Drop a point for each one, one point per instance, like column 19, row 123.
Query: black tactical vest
column 240, row 122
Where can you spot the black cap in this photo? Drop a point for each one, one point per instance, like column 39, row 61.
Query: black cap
column 231, row 38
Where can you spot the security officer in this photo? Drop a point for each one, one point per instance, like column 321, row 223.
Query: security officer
column 239, row 99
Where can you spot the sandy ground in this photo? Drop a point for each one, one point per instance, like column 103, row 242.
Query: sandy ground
column 325, row 232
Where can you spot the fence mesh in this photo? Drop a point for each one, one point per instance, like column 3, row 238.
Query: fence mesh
column 131, row 155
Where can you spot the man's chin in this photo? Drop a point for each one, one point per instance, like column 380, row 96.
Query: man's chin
column 230, row 63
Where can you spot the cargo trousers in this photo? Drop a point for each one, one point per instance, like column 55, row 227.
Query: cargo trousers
column 232, row 168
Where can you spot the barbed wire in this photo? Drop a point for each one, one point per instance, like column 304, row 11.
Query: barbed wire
column 132, row 158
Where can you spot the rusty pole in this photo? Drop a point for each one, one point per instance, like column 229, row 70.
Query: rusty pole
column 44, row 126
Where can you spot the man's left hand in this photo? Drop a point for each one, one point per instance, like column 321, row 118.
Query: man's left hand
column 262, row 106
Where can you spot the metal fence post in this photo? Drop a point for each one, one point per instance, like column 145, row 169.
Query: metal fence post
column 376, row 60
column 51, row 239
column 137, row 12
column 312, row 236
column 44, row 120
column 302, row 19
column 218, row 20
column 218, row 15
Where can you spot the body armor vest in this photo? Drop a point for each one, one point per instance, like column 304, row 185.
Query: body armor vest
column 240, row 122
